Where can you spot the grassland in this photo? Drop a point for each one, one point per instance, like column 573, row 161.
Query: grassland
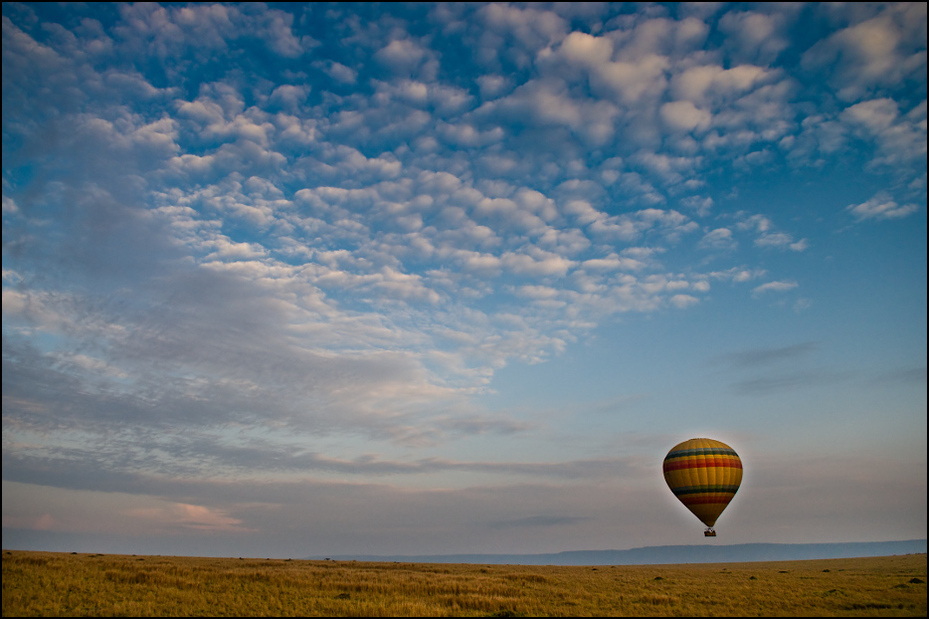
column 42, row 583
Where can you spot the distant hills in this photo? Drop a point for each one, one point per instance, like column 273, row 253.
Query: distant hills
column 653, row 555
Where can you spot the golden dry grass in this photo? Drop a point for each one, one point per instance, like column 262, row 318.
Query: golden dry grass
column 43, row 583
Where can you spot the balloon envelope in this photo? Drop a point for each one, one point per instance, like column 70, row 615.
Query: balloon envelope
column 704, row 475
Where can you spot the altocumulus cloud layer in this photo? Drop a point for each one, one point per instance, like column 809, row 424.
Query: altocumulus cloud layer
column 264, row 268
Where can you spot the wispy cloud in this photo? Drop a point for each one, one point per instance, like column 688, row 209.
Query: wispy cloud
column 197, row 517
column 766, row 356
column 776, row 286
column 783, row 381
column 537, row 521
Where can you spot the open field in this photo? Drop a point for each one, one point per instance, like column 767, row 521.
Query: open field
column 44, row 583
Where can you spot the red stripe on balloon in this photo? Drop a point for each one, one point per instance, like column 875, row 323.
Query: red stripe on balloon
column 706, row 500
column 726, row 463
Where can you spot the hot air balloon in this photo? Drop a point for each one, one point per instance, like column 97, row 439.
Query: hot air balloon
column 704, row 475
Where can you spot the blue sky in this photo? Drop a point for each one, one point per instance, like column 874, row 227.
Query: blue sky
column 288, row 280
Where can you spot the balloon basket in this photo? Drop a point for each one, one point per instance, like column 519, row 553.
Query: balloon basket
column 709, row 533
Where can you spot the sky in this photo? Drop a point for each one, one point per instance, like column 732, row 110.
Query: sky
column 291, row 280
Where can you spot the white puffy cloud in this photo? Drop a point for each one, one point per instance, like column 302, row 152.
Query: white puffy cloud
column 339, row 72
column 685, row 116
column 877, row 115
column 756, row 35
column 875, row 53
column 529, row 26
column 537, row 262
column 720, row 238
column 632, row 82
column 881, row 206
column 493, row 86
column 712, row 84
column 902, row 138
column 582, row 49
column 290, row 96
column 768, row 235
column 401, row 55
column 169, row 32
column 781, row 240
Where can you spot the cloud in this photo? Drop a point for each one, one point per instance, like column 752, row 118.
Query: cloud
column 205, row 309
column 768, row 235
column 877, row 115
column 338, row 71
column 770, row 384
column 538, row 521
column 170, row 32
column 587, row 50
column 401, row 55
column 289, row 96
column 908, row 376
column 685, row 116
column 184, row 515
column 546, row 102
column 782, row 240
column 776, row 286
column 901, row 138
column 880, row 206
column 530, row 27
column 874, row 53
column 681, row 301
column 720, row 238
column 756, row 35
column 370, row 201
column 767, row 356
column 711, row 84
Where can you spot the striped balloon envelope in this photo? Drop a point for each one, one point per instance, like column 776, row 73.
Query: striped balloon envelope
column 704, row 475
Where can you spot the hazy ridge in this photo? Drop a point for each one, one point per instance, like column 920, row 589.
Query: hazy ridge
column 650, row 555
